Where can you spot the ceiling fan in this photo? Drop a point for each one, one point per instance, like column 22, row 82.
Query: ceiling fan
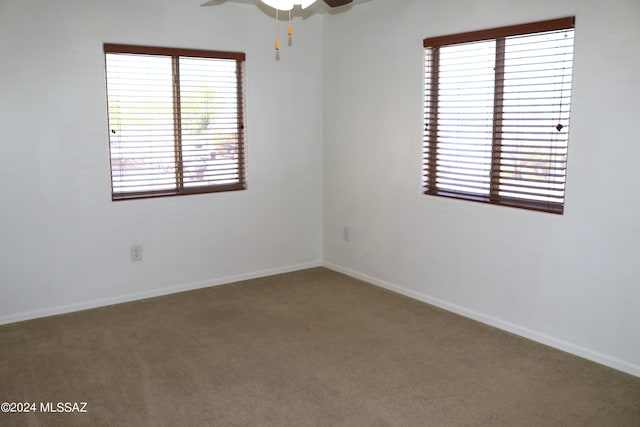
column 283, row 5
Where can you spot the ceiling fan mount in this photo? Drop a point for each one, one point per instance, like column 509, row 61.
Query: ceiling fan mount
column 283, row 4
column 289, row 4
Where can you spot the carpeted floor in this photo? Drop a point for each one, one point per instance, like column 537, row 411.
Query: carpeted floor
column 310, row 348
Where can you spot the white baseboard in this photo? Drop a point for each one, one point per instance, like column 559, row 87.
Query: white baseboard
column 85, row 305
column 559, row 344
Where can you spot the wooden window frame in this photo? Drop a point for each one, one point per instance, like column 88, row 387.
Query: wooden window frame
column 430, row 141
column 175, row 54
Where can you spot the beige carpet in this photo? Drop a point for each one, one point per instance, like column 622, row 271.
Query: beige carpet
column 311, row 348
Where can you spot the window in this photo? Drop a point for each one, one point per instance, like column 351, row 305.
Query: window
column 176, row 121
column 497, row 115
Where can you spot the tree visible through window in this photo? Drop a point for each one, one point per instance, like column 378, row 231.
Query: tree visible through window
column 497, row 115
column 176, row 121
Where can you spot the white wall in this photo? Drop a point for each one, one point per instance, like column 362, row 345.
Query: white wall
column 63, row 244
column 571, row 281
column 566, row 280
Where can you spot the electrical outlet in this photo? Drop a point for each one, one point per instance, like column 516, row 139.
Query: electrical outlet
column 136, row 253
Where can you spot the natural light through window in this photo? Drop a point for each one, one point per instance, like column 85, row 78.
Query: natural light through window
column 466, row 115
column 175, row 124
column 497, row 108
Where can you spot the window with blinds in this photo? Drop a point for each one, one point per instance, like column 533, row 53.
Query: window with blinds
column 176, row 121
column 497, row 115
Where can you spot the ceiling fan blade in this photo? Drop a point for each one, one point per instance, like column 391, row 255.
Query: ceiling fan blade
column 337, row 3
column 212, row 3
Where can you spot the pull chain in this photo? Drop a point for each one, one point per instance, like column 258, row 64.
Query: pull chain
column 277, row 41
column 560, row 126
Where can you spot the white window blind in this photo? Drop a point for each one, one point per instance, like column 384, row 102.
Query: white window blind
column 176, row 121
column 497, row 108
